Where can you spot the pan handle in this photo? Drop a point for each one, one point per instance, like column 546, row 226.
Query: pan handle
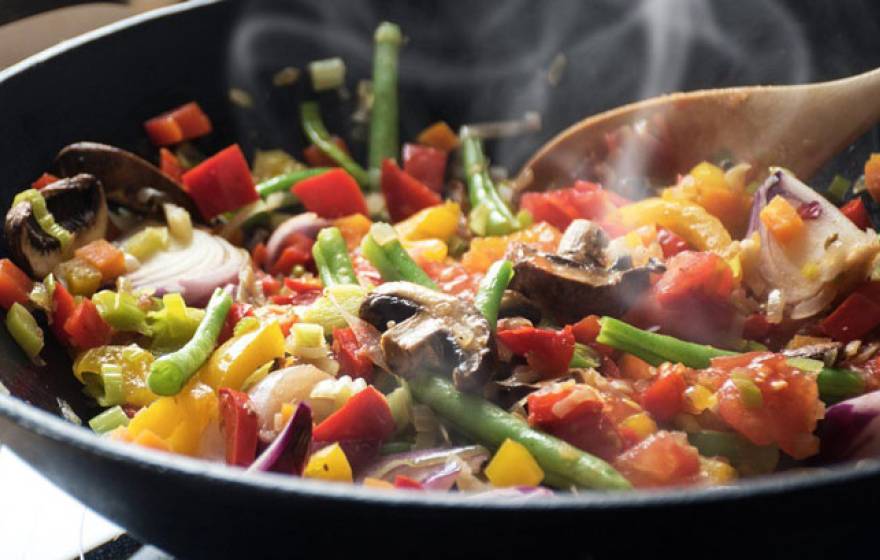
column 13, row 10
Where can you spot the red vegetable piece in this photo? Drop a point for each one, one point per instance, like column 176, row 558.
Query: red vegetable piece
column 407, row 483
column 548, row 207
column 271, row 286
column 853, row 319
column 857, row 213
column 297, row 251
column 183, row 123
column 15, row 285
column 584, row 422
column 238, row 421
column 221, row 183
column 333, row 194
column 547, row 351
column 63, row 307
column 425, row 164
column 259, row 254
column 671, row 243
column 86, row 328
column 44, row 179
column 316, row 157
column 366, row 416
column 404, row 194
column 353, row 359
column 663, row 398
column 662, row 459
column 170, row 165
column 237, row 312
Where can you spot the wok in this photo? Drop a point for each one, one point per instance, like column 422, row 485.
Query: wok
column 466, row 61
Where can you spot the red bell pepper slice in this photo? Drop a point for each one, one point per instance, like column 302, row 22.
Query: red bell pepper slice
column 333, row 194
column 86, row 328
column 671, row 243
column 297, row 251
column 562, row 206
column 183, row 123
column 43, row 180
column 404, row 194
column 316, row 157
column 854, row 318
column 15, row 285
column 170, row 165
column 270, row 284
column 239, row 424
column 857, row 213
column 547, row 351
column 407, row 483
column 63, row 306
column 353, row 360
column 425, row 164
column 663, row 397
column 221, row 183
column 259, row 254
column 366, row 416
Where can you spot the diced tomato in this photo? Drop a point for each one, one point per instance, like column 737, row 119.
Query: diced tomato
column 365, row 416
column 634, row 368
column 297, row 252
column 562, row 206
column 86, row 328
column 425, row 164
column 239, row 424
column 44, row 179
column 170, row 165
column 63, row 307
column 575, row 415
column 853, row 319
column 270, row 285
column 15, row 285
column 183, row 123
column 259, row 254
column 104, row 256
column 237, row 312
column 301, row 286
column 547, row 351
column 316, row 157
column 662, row 459
column 787, row 409
column 548, row 207
column 302, row 293
column 587, row 329
column 353, row 359
column 221, row 183
column 333, row 194
column 671, row 243
column 407, row 483
column 872, row 176
column 404, row 194
column 857, row 213
column 694, row 276
column 663, row 398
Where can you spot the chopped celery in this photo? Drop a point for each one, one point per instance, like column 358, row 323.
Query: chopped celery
column 108, row 387
column 308, row 335
column 82, row 279
column 327, row 74
column 174, row 324
column 147, row 242
column 24, row 329
column 584, row 357
column 121, row 311
column 838, row 188
column 109, row 420
column 245, row 325
column 328, row 309
column 42, row 292
column 400, row 403
column 44, row 218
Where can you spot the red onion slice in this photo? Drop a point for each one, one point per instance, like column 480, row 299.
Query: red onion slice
column 433, row 468
column 851, row 429
column 289, row 452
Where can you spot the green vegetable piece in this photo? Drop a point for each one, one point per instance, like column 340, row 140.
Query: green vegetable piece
column 170, row 373
column 490, row 425
column 245, row 325
column 328, row 73
column 747, row 458
column 24, row 330
column 44, row 218
column 656, row 348
column 384, row 119
column 491, row 290
column 109, row 389
column 109, row 420
column 805, row 364
column 490, row 214
column 317, row 133
column 282, row 183
column 584, row 357
column 838, row 188
column 147, row 242
column 393, row 447
column 839, row 384
column 121, row 311
column 749, row 392
column 328, row 309
column 383, row 249
column 308, row 335
column 174, row 324
column 331, row 258
column 400, row 403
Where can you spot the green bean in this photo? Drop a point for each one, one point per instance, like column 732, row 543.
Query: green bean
column 746, row 457
column 839, row 384
column 489, row 425
column 383, row 249
column 331, row 258
column 317, row 133
column 491, row 213
column 170, row 373
column 384, row 142
column 492, row 286
column 282, row 183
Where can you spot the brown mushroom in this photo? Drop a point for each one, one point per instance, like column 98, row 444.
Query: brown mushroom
column 577, row 281
column 429, row 331
column 77, row 203
column 128, row 180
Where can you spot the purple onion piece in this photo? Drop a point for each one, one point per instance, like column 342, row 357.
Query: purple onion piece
column 851, row 429
column 444, row 479
column 430, row 467
column 289, row 452
column 810, row 210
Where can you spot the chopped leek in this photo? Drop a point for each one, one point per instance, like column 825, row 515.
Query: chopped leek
column 109, row 420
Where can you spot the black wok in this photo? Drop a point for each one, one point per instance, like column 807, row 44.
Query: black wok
column 466, row 61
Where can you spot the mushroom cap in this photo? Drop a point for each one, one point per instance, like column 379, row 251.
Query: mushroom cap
column 77, row 203
column 426, row 330
column 128, row 180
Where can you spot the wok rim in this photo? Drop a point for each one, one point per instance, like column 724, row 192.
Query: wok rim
column 46, row 425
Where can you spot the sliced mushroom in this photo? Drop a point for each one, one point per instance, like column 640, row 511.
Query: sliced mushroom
column 426, row 330
column 77, row 203
column 824, row 351
column 514, row 304
column 129, row 180
column 578, row 282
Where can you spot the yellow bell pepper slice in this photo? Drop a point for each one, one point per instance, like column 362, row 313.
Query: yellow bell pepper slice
column 513, row 465
column 693, row 223
column 330, row 464
column 426, row 250
column 436, row 222
column 708, row 186
column 178, row 421
column 135, row 363
column 232, row 363
column 353, row 228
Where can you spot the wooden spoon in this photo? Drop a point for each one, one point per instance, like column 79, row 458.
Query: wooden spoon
column 798, row 127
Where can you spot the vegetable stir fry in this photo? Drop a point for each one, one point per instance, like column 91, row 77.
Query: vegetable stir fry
column 416, row 321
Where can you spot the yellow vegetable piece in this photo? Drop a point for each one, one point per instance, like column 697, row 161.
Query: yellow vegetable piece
column 642, row 424
column 179, row 421
column 426, row 250
column 486, row 250
column 377, row 483
column 717, row 471
column 691, row 222
column 330, row 463
column 82, row 279
column 232, row 363
column 708, row 186
column 782, row 220
column 436, row 222
column 439, row 136
column 353, row 229
column 135, row 363
column 513, row 465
